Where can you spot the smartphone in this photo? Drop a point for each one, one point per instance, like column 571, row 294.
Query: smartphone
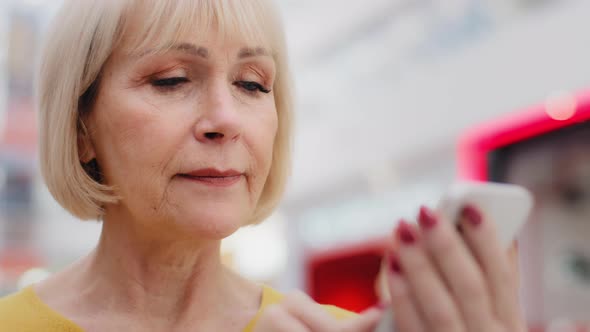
column 507, row 205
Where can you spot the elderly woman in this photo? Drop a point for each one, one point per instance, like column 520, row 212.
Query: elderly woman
column 169, row 120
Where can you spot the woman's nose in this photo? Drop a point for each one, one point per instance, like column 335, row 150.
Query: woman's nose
column 219, row 119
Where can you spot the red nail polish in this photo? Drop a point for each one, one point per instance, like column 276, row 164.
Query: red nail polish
column 427, row 218
column 394, row 264
column 472, row 214
column 405, row 233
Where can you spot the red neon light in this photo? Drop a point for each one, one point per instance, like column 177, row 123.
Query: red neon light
column 476, row 143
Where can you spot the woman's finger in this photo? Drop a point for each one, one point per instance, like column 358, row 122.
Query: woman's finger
column 310, row 313
column 480, row 235
column 406, row 315
column 365, row 322
column 431, row 295
column 317, row 319
column 459, row 269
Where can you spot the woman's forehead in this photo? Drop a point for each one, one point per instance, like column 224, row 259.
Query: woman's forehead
column 194, row 27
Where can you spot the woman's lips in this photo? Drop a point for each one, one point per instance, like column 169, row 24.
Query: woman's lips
column 216, row 181
column 214, row 177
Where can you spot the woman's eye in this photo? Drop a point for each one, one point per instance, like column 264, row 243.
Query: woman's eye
column 170, row 82
column 251, row 86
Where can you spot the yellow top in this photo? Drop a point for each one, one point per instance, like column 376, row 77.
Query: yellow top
column 25, row 312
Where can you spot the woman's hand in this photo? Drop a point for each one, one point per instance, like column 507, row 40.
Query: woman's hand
column 443, row 280
column 298, row 313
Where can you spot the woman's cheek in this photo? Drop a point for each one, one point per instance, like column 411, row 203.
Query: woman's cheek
column 140, row 137
column 268, row 137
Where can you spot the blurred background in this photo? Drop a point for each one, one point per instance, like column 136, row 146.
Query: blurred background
column 384, row 90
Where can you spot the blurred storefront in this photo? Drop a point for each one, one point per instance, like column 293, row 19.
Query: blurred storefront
column 18, row 141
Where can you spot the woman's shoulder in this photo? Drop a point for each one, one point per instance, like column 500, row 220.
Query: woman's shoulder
column 14, row 310
column 24, row 312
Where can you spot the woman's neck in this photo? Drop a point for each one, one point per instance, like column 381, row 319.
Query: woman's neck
column 160, row 279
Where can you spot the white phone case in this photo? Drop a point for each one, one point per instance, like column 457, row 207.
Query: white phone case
column 507, row 205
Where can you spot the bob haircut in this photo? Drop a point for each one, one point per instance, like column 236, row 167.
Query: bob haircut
column 82, row 38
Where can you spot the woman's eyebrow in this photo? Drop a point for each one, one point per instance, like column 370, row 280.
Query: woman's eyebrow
column 248, row 52
column 200, row 51
column 192, row 49
column 187, row 48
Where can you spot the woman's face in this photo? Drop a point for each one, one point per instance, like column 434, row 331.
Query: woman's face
column 186, row 136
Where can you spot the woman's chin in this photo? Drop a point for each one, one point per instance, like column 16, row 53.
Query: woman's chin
column 213, row 223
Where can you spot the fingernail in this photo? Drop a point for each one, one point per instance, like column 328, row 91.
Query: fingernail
column 394, row 264
column 405, row 233
column 427, row 218
column 472, row 214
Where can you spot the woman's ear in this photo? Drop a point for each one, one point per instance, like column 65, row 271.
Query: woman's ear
column 86, row 150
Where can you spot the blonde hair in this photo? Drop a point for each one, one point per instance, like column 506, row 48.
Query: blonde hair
column 84, row 35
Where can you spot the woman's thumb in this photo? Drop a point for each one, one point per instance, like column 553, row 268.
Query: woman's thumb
column 365, row 322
